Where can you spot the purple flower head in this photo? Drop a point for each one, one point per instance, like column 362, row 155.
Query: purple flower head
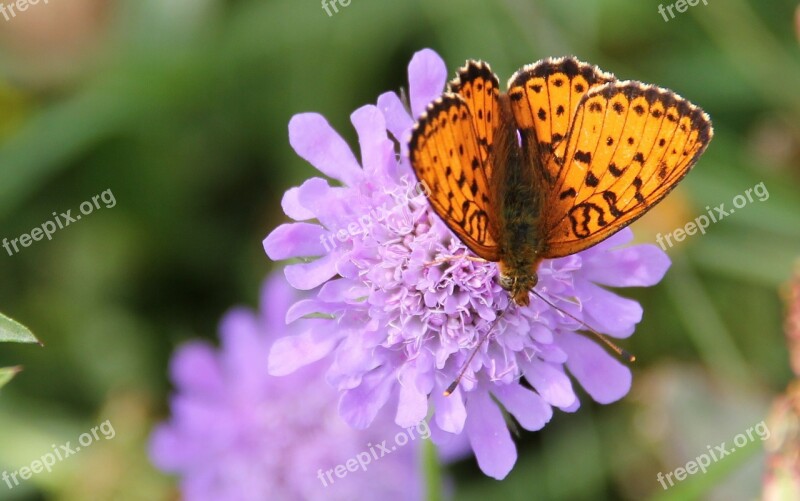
column 237, row 433
column 400, row 329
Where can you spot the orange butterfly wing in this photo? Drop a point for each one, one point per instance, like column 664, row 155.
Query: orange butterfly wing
column 478, row 86
column 544, row 97
column 448, row 152
column 628, row 146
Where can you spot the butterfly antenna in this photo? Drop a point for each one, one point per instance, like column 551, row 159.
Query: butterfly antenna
column 613, row 347
column 450, row 389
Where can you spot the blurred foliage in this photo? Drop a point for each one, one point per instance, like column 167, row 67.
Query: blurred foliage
column 13, row 332
column 181, row 109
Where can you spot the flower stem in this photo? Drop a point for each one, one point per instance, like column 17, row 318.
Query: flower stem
column 432, row 471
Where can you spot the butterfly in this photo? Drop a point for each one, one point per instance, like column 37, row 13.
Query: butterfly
column 562, row 160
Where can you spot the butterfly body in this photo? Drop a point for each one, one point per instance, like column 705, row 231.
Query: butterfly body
column 564, row 159
column 519, row 242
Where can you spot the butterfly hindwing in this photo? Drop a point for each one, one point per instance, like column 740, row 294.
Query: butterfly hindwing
column 628, row 146
column 445, row 153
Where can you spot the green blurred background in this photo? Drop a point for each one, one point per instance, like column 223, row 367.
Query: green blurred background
column 181, row 107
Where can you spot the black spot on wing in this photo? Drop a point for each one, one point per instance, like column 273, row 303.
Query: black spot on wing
column 568, row 193
column 583, row 156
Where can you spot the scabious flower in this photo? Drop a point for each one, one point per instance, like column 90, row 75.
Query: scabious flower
column 238, row 434
column 399, row 329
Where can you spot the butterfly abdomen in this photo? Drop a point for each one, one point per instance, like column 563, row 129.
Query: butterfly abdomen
column 520, row 215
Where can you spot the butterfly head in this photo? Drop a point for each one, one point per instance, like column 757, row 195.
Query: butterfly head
column 519, row 286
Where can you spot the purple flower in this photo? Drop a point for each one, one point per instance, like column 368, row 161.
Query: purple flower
column 399, row 330
column 238, row 434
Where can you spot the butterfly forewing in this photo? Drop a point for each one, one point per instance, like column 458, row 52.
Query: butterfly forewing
column 445, row 153
column 478, row 86
column 628, row 146
column 544, row 97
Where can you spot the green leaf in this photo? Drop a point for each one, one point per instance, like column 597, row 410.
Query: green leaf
column 6, row 373
column 13, row 331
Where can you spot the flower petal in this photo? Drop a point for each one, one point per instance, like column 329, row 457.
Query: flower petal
column 619, row 239
column 359, row 406
column 377, row 151
column 342, row 290
column 530, row 409
column 168, row 450
column 314, row 139
column 640, row 265
column 607, row 312
column 275, row 299
column 450, row 446
column 194, row 367
column 292, row 206
column 489, row 436
column 295, row 240
column 309, row 307
column 306, row 276
column 398, row 122
column 412, row 406
column 427, row 74
column 604, row 377
column 550, row 383
column 451, row 414
column 289, row 353
column 328, row 204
